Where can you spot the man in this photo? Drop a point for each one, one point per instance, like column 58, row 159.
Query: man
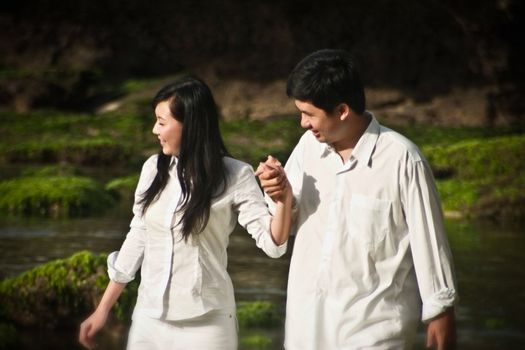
column 371, row 258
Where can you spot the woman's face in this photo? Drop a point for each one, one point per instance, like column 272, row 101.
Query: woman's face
column 168, row 129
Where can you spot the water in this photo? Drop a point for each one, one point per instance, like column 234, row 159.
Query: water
column 489, row 264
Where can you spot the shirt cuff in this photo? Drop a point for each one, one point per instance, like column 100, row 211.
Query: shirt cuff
column 276, row 251
column 437, row 303
column 115, row 274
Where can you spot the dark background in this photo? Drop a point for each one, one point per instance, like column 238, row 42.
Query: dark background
column 69, row 54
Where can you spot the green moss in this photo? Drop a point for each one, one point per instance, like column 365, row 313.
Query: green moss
column 258, row 314
column 252, row 140
column 92, row 151
column 476, row 158
column 139, row 85
column 52, row 170
column 123, row 186
column 256, row 342
column 459, row 195
column 426, row 135
column 60, row 293
column 53, row 196
column 49, row 136
column 481, row 178
column 498, row 198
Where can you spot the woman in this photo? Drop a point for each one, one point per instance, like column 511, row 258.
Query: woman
column 188, row 200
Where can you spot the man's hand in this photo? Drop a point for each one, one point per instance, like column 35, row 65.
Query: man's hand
column 441, row 331
column 273, row 179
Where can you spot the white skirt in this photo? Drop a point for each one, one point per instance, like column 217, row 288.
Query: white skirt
column 215, row 330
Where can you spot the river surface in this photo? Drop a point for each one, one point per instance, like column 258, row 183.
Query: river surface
column 489, row 258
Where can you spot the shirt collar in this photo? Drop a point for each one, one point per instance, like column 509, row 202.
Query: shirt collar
column 173, row 162
column 366, row 144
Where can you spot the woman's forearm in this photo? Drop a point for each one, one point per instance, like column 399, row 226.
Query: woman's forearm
column 282, row 220
column 110, row 297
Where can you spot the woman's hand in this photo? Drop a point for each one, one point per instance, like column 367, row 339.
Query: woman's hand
column 90, row 327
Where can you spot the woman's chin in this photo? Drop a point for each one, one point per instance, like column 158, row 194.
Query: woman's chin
column 167, row 152
column 170, row 152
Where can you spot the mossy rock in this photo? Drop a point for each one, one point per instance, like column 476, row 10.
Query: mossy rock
column 62, row 169
column 61, row 293
column 261, row 314
column 256, row 342
column 497, row 198
column 53, row 196
column 123, row 187
column 481, row 178
column 479, row 158
column 431, row 135
column 51, row 136
column 252, row 140
column 93, row 151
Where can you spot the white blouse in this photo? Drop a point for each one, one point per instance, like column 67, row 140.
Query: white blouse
column 181, row 280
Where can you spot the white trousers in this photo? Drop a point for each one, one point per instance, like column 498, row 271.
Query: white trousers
column 215, row 330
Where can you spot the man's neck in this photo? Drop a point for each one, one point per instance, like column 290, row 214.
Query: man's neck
column 358, row 127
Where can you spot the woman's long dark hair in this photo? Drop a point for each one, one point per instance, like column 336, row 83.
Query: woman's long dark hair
column 200, row 166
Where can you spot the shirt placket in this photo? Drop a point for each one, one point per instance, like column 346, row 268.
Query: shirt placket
column 169, row 217
column 334, row 228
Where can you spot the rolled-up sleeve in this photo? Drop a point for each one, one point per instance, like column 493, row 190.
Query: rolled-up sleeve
column 123, row 264
column 253, row 213
column 430, row 249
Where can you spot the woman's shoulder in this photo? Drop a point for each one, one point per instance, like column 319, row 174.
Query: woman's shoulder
column 232, row 163
column 237, row 170
column 150, row 164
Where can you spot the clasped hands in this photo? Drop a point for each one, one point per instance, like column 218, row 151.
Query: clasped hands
column 273, row 179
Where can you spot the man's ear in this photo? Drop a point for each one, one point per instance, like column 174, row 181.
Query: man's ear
column 343, row 111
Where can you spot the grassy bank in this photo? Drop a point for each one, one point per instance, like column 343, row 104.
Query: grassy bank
column 479, row 170
column 55, row 191
column 53, row 137
column 481, row 177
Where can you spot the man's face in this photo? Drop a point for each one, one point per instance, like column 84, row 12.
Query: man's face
column 326, row 127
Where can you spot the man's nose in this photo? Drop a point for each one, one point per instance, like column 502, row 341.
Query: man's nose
column 304, row 122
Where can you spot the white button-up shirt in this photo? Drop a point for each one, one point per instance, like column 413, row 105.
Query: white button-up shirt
column 370, row 245
column 181, row 280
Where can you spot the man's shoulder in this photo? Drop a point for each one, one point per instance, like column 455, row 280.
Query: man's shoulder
column 395, row 142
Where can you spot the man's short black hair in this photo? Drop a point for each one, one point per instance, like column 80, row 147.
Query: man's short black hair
column 327, row 78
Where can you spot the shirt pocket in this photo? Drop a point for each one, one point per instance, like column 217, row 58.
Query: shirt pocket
column 368, row 221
